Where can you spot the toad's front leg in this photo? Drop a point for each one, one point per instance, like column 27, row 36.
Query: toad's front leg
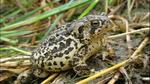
column 78, row 62
column 82, row 69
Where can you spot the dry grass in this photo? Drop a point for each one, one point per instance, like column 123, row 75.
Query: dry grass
column 24, row 23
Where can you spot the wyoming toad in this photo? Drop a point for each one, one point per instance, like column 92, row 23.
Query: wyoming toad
column 71, row 45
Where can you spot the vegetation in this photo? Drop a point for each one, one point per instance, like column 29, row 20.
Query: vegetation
column 25, row 23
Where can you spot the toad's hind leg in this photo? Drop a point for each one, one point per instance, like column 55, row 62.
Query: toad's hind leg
column 29, row 75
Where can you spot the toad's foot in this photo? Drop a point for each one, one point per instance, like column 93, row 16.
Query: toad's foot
column 29, row 75
column 83, row 70
column 25, row 77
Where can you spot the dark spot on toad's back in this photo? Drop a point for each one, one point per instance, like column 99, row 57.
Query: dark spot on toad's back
column 61, row 46
column 47, row 54
column 61, row 38
column 67, row 33
column 80, row 36
column 68, row 50
column 54, row 63
column 75, row 35
column 41, row 58
column 50, row 43
column 57, row 35
column 49, row 63
column 76, row 59
column 54, row 49
column 49, row 68
column 57, row 69
column 76, row 44
column 52, row 38
column 45, row 43
column 68, row 41
column 50, row 57
column 67, row 57
column 70, row 63
column 62, row 64
column 58, row 55
column 42, row 64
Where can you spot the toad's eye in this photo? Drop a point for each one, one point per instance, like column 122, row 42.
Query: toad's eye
column 95, row 23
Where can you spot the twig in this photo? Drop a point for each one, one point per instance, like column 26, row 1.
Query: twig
column 114, row 79
column 2, row 60
column 49, row 78
column 130, row 6
column 146, row 79
column 141, row 46
column 126, row 76
column 139, row 25
column 15, row 64
column 104, row 79
column 17, row 71
column 146, row 16
column 131, row 32
column 128, row 39
column 116, row 9
column 116, row 76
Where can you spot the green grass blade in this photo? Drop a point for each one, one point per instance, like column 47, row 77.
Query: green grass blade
column 8, row 40
column 52, row 26
column 49, row 13
column 14, row 33
column 10, row 15
column 6, row 48
column 27, row 15
column 9, row 11
column 92, row 5
column 20, row 50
